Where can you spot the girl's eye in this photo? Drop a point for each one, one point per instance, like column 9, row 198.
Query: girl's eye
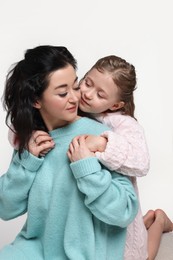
column 100, row 96
column 87, row 84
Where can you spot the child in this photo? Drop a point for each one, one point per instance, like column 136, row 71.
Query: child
column 75, row 210
column 107, row 95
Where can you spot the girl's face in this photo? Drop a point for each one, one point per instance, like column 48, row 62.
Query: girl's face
column 59, row 103
column 99, row 93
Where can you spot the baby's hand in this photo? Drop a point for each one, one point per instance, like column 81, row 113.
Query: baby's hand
column 78, row 149
column 40, row 143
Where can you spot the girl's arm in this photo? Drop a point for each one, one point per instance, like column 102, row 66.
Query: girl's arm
column 125, row 151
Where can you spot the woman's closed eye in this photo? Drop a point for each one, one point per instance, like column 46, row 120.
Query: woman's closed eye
column 63, row 94
column 77, row 87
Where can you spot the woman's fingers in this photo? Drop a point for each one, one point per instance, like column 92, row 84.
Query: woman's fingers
column 41, row 136
column 40, row 143
column 78, row 149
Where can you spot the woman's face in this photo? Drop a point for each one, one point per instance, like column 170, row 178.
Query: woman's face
column 99, row 93
column 59, row 103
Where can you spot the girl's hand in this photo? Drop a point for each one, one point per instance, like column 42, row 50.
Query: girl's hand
column 78, row 149
column 96, row 143
column 40, row 143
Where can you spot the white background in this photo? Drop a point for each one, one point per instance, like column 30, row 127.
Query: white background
column 140, row 32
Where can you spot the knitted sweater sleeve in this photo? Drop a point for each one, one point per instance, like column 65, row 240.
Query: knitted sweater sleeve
column 109, row 196
column 15, row 185
column 126, row 149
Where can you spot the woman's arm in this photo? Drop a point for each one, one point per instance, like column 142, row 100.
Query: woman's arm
column 109, row 195
column 15, row 184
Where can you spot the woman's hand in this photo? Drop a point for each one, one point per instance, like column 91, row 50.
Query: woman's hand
column 78, row 149
column 40, row 143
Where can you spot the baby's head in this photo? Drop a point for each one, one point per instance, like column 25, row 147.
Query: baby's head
column 108, row 87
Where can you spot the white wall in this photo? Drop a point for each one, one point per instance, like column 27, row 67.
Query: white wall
column 139, row 31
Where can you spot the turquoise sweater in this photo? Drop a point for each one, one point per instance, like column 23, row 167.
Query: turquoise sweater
column 76, row 211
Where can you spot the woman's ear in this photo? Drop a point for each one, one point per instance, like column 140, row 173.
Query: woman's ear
column 117, row 106
column 37, row 105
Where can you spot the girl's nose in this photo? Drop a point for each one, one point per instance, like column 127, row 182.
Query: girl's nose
column 88, row 94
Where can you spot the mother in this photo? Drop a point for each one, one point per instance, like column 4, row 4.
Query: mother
column 75, row 210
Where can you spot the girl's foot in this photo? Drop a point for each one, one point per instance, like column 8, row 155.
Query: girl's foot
column 149, row 218
column 161, row 216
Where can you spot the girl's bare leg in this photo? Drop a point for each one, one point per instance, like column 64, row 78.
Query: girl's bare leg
column 149, row 218
column 160, row 225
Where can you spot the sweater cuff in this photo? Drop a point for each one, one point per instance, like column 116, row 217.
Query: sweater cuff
column 29, row 161
column 85, row 167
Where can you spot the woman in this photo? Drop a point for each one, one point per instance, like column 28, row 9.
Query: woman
column 75, row 210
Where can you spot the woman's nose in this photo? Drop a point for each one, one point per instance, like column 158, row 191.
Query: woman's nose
column 74, row 96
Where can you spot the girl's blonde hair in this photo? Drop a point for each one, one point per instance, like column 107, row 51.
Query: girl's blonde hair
column 124, row 76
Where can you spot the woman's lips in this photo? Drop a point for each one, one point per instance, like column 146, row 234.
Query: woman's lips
column 72, row 109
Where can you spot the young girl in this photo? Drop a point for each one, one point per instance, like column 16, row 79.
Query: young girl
column 107, row 95
column 75, row 210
